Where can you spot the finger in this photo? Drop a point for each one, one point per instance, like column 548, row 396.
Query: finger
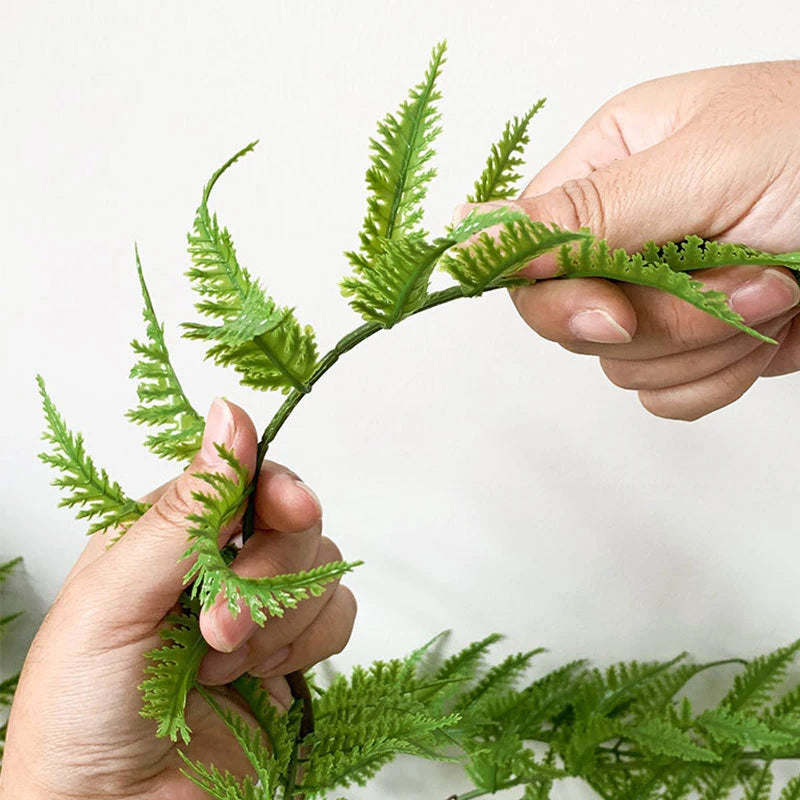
column 327, row 634
column 283, row 501
column 690, row 401
column 661, row 373
column 145, row 566
column 787, row 359
column 267, row 553
column 577, row 311
column 271, row 643
column 664, row 324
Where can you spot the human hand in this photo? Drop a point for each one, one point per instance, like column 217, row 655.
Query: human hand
column 75, row 729
column 714, row 153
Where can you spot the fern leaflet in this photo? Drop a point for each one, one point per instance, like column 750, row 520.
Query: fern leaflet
column 262, row 341
column 162, row 401
column 762, row 675
column 498, row 179
column 263, row 596
column 696, row 253
column 398, row 176
column 594, row 259
column 489, row 262
column 95, row 494
column 172, row 675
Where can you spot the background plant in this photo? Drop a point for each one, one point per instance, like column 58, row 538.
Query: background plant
column 622, row 731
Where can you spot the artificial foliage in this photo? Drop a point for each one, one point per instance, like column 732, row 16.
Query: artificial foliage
column 630, row 731
column 7, row 685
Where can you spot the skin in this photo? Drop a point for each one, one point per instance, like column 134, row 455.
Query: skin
column 714, row 153
column 75, row 730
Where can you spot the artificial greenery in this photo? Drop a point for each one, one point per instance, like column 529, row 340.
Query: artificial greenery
column 7, row 685
column 629, row 731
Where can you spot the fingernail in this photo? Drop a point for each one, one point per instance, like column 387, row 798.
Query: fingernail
column 218, row 430
column 217, row 668
column 765, row 296
column 270, row 664
column 596, row 325
column 311, row 493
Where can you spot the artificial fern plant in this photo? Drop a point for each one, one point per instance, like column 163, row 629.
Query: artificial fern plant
column 626, row 731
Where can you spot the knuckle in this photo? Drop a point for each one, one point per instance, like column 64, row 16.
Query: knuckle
column 580, row 205
column 174, row 505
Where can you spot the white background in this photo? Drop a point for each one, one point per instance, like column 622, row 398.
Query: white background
column 489, row 479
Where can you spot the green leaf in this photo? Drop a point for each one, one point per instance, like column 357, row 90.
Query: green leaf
column 262, row 341
column 281, row 729
column 398, row 176
column 220, row 785
column 759, row 786
column 491, row 261
column 792, row 789
column 498, row 179
column 250, row 740
column 263, row 596
column 696, row 253
column 8, row 567
column 660, row 737
column 162, row 401
column 753, row 688
column 594, row 259
column 92, row 491
column 172, row 675
column 734, row 727
column 395, row 284
column 501, row 676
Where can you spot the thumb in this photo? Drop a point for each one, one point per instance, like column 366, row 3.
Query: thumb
column 673, row 188
column 144, row 569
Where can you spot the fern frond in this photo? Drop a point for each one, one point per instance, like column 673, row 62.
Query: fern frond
column 491, row 261
column 753, row 687
column 7, row 689
column 250, row 740
column 498, row 179
column 696, row 253
column 792, row 789
column 261, row 340
column 162, row 401
column 220, row 785
column 500, row 677
column 92, row 491
column 399, row 174
column 718, row 783
column 395, row 284
column 172, row 675
column 759, row 786
column 8, row 567
column 281, row 729
column 734, row 727
column 594, row 259
column 263, row 596
column 660, row 737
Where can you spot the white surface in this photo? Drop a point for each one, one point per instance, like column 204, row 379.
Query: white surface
column 490, row 480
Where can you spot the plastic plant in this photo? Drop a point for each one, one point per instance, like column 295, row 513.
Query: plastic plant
column 623, row 730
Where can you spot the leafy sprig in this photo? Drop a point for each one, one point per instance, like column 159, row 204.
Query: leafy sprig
column 162, row 401
column 84, row 486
